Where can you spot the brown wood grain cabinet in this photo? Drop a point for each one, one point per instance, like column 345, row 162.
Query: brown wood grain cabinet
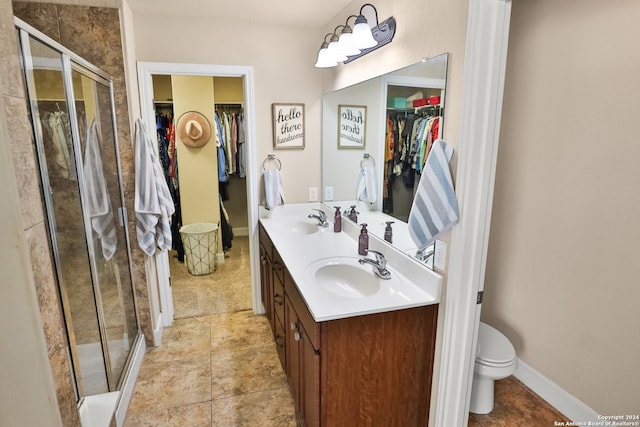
column 369, row 370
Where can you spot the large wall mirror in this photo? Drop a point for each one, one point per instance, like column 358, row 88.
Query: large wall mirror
column 380, row 175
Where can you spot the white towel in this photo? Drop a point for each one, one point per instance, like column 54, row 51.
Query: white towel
column 435, row 208
column 273, row 191
column 367, row 186
column 153, row 202
column 97, row 194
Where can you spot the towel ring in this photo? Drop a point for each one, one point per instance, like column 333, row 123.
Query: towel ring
column 365, row 157
column 271, row 158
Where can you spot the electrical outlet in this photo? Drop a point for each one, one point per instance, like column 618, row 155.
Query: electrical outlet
column 328, row 194
column 313, row 194
column 440, row 256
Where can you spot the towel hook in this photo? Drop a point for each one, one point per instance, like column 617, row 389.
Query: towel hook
column 271, row 158
column 365, row 157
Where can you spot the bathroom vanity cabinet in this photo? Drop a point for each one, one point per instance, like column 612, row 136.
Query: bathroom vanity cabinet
column 373, row 369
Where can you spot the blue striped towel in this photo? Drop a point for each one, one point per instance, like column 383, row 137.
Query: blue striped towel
column 435, row 208
column 153, row 203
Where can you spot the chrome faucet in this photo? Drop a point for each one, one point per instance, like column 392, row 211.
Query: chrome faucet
column 321, row 217
column 379, row 264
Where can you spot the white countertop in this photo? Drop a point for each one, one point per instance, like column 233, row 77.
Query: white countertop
column 417, row 285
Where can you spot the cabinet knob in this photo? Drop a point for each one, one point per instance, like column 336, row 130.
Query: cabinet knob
column 278, row 299
column 293, row 326
column 296, row 336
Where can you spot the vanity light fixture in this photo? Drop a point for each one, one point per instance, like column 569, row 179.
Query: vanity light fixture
column 325, row 59
column 349, row 45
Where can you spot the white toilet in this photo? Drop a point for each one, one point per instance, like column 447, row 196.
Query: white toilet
column 495, row 360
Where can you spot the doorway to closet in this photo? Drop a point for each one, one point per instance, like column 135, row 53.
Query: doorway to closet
column 228, row 94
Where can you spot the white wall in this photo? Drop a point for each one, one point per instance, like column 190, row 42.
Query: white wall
column 563, row 274
column 283, row 61
column 27, row 393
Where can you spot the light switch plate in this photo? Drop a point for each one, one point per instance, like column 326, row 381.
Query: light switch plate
column 328, row 193
column 440, row 256
column 313, row 194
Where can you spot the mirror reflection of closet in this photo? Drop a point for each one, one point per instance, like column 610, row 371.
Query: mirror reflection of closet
column 407, row 107
column 72, row 115
column 389, row 94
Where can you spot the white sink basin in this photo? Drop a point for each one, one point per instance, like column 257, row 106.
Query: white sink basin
column 297, row 226
column 346, row 277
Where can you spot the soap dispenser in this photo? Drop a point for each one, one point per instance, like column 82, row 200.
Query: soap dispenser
column 353, row 214
column 363, row 240
column 337, row 220
column 388, row 232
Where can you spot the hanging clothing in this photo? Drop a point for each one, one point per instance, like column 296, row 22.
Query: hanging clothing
column 58, row 123
column 226, row 229
column 97, row 193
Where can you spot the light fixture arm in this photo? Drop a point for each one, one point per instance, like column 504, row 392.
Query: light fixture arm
column 375, row 11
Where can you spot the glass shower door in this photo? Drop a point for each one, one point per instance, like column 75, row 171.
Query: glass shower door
column 104, row 205
column 73, row 121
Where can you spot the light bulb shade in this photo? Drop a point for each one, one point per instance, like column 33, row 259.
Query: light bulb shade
column 362, row 37
column 347, row 46
column 325, row 60
column 335, row 52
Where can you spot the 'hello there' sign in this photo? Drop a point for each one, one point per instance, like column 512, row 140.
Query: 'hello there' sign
column 351, row 126
column 288, row 125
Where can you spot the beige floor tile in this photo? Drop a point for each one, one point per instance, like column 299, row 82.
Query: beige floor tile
column 194, row 415
column 246, row 371
column 270, row 408
column 185, row 339
column 169, row 384
column 239, row 330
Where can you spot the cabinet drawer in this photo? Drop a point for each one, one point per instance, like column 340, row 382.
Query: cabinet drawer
column 278, row 297
column 278, row 265
column 265, row 241
column 310, row 326
column 279, row 339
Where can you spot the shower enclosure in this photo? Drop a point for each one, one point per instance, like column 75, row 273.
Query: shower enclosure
column 72, row 110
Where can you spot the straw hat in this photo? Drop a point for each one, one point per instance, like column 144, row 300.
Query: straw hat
column 194, row 129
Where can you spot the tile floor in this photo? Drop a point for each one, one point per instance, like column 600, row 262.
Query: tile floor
column 516, row 405
column 218, row 366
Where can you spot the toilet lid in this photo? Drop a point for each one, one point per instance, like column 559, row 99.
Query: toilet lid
column 493, row 347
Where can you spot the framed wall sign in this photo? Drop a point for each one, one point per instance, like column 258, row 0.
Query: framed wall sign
column 351, row 126
column 288, row 126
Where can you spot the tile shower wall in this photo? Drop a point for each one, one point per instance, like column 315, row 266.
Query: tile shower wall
column 14, row 106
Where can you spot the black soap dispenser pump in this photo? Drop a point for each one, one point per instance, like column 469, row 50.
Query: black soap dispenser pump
column 363, row 240
column 388, row 232
column 353, row 214
column 337, row 220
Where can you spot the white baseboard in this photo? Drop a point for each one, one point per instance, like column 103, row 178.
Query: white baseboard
column 157, row 332
column 556, row 396
column 240, row 231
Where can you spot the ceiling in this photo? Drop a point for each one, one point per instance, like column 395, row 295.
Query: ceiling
column 281, row 12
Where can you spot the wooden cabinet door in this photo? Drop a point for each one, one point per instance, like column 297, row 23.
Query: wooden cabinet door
column 310, row 382
column 266, row 277
column 293, row 352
